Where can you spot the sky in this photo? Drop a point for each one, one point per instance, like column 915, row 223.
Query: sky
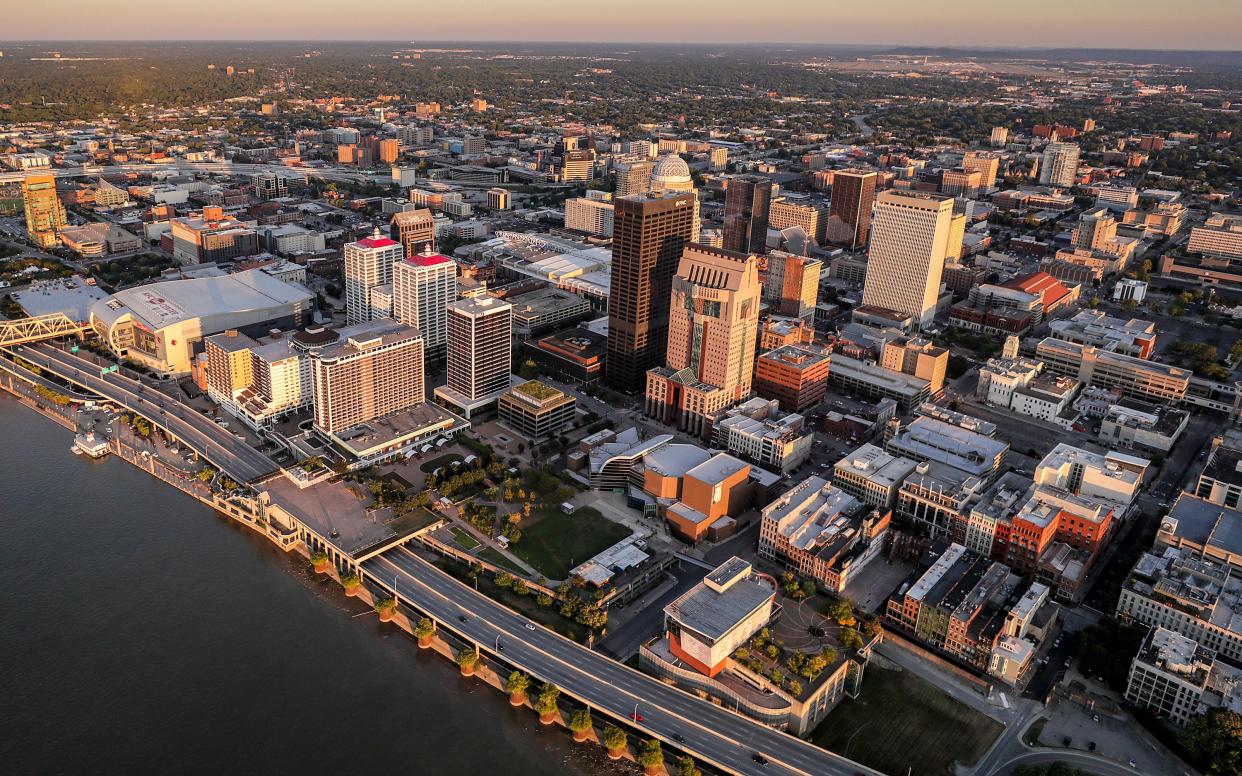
column 1143, row 24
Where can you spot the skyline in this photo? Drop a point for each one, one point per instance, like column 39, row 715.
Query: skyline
column 1205, row 25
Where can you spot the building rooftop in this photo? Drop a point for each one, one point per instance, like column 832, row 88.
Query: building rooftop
column 927, row 438
column 162, row 304
column 675, row 460
column 725, row 598
column 717, row 469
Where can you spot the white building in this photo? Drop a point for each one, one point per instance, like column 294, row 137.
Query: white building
column 368, row 266
column 1060, row 165
column 909, row 240
column 480, row 346
column 422, row 287
column 589, row 215
column 757, row 431
column 1113, row 478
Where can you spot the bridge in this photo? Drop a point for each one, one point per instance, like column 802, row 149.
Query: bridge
column 22, row 331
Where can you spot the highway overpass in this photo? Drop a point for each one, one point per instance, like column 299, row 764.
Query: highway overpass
column 711, row 733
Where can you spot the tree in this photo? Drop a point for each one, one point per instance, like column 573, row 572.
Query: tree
column 795, row 688
column 351, row 580
column 545, row 704
column 615, row 739
column 850, row 639
column 842, row 611
column 385, row 606
column 650, row 754
column 468, row 659
column 318, row 558
column 516, row 685
column 424, row 629
column 580, row 722
column 687, row 767
column 1215, row 742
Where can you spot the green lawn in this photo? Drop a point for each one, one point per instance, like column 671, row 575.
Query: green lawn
column 904, row 722
column 465, row 540
column 492, row 556
column 413, row 520
column 556, row 542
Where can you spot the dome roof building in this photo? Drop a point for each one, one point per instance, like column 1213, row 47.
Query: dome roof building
column 671, row 173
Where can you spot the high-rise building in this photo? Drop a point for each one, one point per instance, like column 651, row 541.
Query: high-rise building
column 633, row 176
column 592, row 216
column 1059, row 166
column 389, row 150
column 368, row 277
column 906, row 257
column 985, row 162
column 480, row 345
column 415, row 230
column 422, row 287
column 853, row 195
column 713, row 323
column 1000, row 136
column 375, row 369
column 746, row 214
column 671, row 173
column 498, row 199
column 791, row 284
column 45, row 213
column 649, row 233
column 962, row 183
column 1095, row 230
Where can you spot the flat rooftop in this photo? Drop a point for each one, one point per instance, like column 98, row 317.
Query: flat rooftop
column 721, row 601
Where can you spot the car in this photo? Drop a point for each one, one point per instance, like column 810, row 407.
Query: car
column 1066, row 741
column 530, row 626
column 1132, row 763
column 759, row 759
column 679, row 738
column 462, row 618
column 1090, row 746
column 637, row 717
column 1095, row 717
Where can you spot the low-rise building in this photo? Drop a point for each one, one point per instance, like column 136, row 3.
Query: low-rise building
column 1113, row 478
column 822, row 532
column 1177, row 678
column 1136, row 377
column 1146, row 426
column 536, row 410
column 870, row 379
column 872, row 475
column 756, row 431
column 1134, row 337
column 935, row 496
column 794, row 375
column 929, row 439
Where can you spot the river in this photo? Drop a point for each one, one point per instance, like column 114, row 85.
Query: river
column 140, row 632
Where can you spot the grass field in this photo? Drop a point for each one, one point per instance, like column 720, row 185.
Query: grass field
column 463, row 539
column 556, row 542
column 492, row 556
column 904, row 722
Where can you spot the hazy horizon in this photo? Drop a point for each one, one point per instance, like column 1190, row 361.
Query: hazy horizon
column 1195, row 25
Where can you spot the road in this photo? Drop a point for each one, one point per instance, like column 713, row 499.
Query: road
column 623, row 641
column 231, row 456
column 711, row 733
column 1090, row 763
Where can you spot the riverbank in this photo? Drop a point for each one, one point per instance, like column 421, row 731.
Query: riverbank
column 139, row 623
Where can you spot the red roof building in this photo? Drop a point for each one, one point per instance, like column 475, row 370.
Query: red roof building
column 1052, row 292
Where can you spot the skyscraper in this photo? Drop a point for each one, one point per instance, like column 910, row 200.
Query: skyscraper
column 985, row 162
column 849, row 212
column 1060, row 165
column 45, row 213
column 368, row 277
column 649, row 233
column 480, row 345
column 713, row 323
column 422, row 287
column 746, row 214
column 908, row 248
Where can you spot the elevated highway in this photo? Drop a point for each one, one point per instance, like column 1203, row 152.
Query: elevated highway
column 221, row 449
column 712, row 734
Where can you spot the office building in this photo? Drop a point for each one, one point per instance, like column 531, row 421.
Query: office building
column 984, row 162
column 1134, row 337
column 906, row 256
column 1135, row 377
column 536, row 410
column 870, row 379
column 747, row 200
column 591, row 216
column 849, row 212
column 713, row 324
column 422, row 287
column 480, row 346
column 373, row 370
column 821, row 532
column 786, row 214
column 649, row 233
column 368, row 277
column 497, row 199
column 962, row 183
column 793, row 375
column 1220, row 235
column 211, row 237
column 45, row 213
column 872, row 475
column 918, row 357
column 756, row 431
column 1059, row 166
column 269, row 185
column 930, row 439
column 791, row 284
column 1111, row 478
column 633, row 177
column 415, row 230
column 1175, row 678
column 1000, row 136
